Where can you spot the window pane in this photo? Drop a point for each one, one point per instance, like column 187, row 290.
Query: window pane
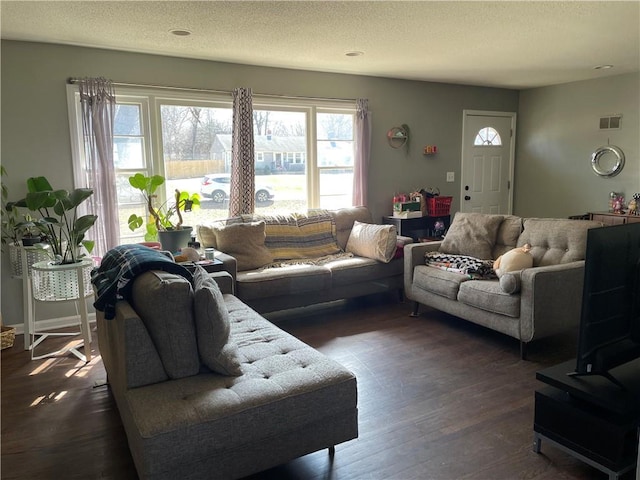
column 127, row 120
column 196, row 144
column 333, row 154
column 487, row 136
column 280, row 142
column 128, row 152
column 335, row 126
column 335, row 188
column 335, row 148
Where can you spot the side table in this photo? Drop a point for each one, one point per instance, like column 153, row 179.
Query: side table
column 61, row 283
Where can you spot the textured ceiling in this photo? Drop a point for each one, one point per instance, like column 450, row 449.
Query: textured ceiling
column 503, row 44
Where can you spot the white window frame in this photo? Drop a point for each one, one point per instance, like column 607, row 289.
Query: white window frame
column 152, row 98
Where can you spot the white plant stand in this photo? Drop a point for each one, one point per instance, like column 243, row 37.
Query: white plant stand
column 62, row 283
column 22, row 258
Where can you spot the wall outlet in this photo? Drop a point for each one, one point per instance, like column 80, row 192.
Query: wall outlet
column 451, row 177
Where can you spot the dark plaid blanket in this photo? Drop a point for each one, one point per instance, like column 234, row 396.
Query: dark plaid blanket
column 120, row 265
column 474, row 268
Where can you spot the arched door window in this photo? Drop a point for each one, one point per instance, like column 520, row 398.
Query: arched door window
column 488, row 136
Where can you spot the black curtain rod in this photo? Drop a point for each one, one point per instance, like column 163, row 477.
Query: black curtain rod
column 206, row 90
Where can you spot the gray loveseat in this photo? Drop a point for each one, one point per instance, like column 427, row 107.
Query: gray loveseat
column 270, row 399
column 281, row 272
column 544, row 299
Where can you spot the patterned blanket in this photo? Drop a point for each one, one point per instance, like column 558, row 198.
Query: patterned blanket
column 474, row 268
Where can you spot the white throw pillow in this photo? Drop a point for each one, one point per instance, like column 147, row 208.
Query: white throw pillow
column 372, row 241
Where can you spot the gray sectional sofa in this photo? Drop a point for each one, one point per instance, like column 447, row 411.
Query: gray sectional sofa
column 286, row 276
column 200, row 403
column 537, row 302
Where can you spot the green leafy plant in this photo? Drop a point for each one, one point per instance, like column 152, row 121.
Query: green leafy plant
column 59, row 220
column 10, row 217
column 164, row 217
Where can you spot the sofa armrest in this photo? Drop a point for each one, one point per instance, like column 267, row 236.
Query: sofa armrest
column 225, row 281
column 229, row 264
column 414, row 255
column 550, row 299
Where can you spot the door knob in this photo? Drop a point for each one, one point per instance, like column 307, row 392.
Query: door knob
column 467, row 197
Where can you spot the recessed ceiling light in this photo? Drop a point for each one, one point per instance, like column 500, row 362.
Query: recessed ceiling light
column 602, row 67
column 180, row 32
column 354, row 53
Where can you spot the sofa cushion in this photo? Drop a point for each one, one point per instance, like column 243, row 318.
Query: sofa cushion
column 217, row 352
column 300, row 235
column 438, row 281
column 472, row 234
column 507, row 236
column 377, row 242
column 556, row 240
column 487, row 295
column 244, row 242
column 285, row 280
column 354, row 270
column 164, row 302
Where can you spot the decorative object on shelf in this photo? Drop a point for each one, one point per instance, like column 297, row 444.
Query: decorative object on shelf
column 59, row 220
column 633, row 204
column 607, row 160
column 618, row 204
column 398, row 136
column 162, row 224
column 430, row 149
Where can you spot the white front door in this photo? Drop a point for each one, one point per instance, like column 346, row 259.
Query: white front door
column 488, row 146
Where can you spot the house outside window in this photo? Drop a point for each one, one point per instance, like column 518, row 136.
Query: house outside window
column 187, row 138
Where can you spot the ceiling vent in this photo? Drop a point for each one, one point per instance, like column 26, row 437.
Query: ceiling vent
column 611, row 122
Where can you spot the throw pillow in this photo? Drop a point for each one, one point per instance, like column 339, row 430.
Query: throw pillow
column 164, row 302
column 510, row 282
column 472, row 234
column 244, row 242
column 377, row 242
column 216, row 350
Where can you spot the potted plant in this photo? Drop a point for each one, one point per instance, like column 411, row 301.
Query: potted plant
column 165, row 222
column 10, row 217
column 59, row 220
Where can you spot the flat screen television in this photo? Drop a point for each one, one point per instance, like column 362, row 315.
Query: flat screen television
column 609, row 333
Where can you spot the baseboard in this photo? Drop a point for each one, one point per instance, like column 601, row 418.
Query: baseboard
column 53, row 323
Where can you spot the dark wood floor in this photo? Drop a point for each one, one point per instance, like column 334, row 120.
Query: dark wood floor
column 439, row 398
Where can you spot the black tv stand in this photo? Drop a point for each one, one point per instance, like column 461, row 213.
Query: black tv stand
column 589, row 416
column 606, row 375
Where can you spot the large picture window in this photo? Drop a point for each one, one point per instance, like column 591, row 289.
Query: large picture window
column 304, row 151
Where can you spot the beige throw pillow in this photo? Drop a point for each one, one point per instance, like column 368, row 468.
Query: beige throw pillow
column 472, row 234
column 244, row 242
column 373, row 241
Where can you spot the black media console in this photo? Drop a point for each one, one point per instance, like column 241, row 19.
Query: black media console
column 590, row 417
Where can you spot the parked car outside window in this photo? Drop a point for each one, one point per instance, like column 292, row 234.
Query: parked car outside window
column 216, row 186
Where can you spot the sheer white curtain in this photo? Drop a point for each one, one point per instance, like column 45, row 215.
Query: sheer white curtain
column 363, row 151
column 98, row 103
column 243, row 166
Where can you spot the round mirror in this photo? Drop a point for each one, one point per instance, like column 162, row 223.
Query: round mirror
column 607, row 161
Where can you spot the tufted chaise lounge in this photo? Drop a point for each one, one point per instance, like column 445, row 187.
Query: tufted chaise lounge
column 290, row 399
